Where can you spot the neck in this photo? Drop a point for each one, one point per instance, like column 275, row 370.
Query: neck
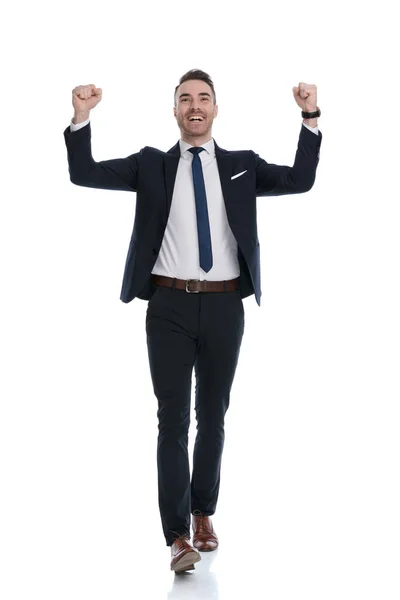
column 196, row 141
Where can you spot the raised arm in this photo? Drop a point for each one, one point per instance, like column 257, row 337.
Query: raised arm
column 114, row 174
column 277, row 180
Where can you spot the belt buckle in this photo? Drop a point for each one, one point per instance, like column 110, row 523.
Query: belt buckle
column 191, row 291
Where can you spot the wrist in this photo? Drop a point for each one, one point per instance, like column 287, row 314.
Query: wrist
column 310, row 116
column 79, row 117
column 311, row 122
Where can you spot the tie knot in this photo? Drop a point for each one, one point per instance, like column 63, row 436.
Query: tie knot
column 195, row 150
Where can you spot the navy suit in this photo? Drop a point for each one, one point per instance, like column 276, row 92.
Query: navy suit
column 151, row 173
column 191, row 330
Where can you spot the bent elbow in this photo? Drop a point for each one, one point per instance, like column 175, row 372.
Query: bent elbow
column 310, row 185
column 76, row 181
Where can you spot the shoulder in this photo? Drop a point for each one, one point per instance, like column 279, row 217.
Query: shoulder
column 151, row 150
column 232, row 153
column 236, row 154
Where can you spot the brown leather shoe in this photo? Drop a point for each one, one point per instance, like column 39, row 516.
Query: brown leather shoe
column 204, row 536
column 183, row 555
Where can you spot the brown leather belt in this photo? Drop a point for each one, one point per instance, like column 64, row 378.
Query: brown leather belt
column 196, row 285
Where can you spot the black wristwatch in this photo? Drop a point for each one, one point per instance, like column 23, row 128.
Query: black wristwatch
column 311, row 115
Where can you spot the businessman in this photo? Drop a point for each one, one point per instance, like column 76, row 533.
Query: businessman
column 194, row 254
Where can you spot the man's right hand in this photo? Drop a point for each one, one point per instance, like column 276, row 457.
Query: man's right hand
column 84, row 98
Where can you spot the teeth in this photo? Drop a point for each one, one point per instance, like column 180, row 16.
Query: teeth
column 195, row 118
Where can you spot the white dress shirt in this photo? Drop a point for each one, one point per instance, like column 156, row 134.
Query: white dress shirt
column 179, row 252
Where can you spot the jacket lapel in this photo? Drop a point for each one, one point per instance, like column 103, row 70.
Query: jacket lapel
column 225, row 168
column 171, row 161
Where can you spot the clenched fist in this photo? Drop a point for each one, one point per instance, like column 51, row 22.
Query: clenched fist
column 305, row 95
column 85, row 97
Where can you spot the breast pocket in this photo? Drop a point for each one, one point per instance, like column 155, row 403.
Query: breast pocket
column 238, row 174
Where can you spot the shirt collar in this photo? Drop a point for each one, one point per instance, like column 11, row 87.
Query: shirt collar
column 208, row 147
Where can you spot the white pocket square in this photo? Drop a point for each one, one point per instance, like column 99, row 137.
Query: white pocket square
column 238, row 174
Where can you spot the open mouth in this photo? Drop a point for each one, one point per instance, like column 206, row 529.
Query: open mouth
column 196, row 119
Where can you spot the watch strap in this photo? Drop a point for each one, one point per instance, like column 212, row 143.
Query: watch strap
column 311, row 115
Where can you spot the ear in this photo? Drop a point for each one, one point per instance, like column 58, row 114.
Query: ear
column 174, row 112
column 215, row 110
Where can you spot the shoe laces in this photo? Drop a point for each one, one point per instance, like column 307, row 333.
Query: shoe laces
column 203, row 525
column 180, row 537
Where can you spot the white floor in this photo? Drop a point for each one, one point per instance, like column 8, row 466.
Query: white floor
column 293, row 523
column 309, row 497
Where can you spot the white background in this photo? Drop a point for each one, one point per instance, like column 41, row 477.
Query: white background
column 309, row 497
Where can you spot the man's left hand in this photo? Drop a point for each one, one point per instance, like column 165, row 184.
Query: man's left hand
column 305, row 95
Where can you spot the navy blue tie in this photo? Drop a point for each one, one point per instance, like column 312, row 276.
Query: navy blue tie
column 203, row 225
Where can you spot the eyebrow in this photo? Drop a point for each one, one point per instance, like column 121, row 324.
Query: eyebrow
column 200, row 94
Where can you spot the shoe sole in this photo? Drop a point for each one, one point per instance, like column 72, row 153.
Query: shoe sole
column 186, row 563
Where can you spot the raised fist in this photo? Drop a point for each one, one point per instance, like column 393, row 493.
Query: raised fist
column 85, row 97
column 305, row 95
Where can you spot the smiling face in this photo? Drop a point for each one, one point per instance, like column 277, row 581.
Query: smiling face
column 194, row 98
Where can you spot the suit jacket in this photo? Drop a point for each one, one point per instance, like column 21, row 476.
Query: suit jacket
column 151, row 174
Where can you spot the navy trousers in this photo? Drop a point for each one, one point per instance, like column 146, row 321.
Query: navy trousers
column 184, row 330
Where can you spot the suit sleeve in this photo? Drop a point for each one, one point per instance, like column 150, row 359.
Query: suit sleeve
column 277, row 180
column 114, row 174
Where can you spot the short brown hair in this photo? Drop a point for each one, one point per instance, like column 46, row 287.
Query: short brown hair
column 196, row 74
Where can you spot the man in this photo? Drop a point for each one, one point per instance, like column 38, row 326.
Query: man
column 194, row 255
